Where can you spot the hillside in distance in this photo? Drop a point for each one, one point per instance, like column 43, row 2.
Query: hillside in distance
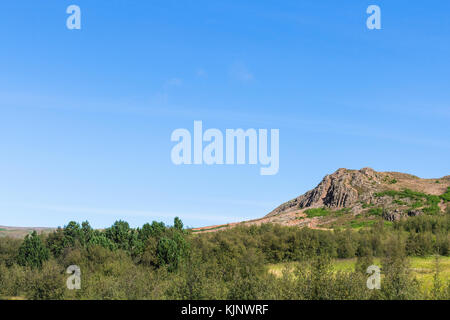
column 359, row 198
column 21, row 232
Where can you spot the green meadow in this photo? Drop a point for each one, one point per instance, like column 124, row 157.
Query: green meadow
column 421, row 268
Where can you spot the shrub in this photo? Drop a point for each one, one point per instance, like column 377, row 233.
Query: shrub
column 376, row 212
column 47, row 283
column 317, row 212
column 446, row 195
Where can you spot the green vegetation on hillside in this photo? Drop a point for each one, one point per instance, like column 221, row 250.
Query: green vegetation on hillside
column 375, row 212
column 446, row 195
column 317, row 212
column 418, row 199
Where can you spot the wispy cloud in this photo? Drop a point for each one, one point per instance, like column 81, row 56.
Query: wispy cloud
column 125, row 213
column 201, row 73
column 240, row 72
column 161, row 97
column 157, row 106
column 173, row 82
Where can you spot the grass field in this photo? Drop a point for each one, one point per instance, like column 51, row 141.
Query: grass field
column 421, row 267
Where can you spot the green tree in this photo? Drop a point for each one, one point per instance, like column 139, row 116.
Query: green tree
column 121, row 234
column 72, row 234
column 178, row 224
column 168, row 253
column 32, row 252
column 155, row 230
column 55, row 242
column 86, row 232
column 397, row 284
column 99, row 238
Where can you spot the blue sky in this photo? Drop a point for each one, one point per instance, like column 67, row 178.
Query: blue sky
column 86, row 115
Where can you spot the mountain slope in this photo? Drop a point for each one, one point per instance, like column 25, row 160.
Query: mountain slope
column 359, row 198
column 348, row 188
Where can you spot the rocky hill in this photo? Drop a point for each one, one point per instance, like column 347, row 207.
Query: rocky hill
column 357, row 198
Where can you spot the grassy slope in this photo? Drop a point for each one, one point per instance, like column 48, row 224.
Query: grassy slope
column 20, row 233
column 421, row 267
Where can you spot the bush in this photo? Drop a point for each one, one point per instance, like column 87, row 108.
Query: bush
column 8, row 250
column 317, row 212
column 446, row 195
column 47, row 283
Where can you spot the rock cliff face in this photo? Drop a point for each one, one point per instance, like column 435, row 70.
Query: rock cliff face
column 354, row 188
column 338, row 190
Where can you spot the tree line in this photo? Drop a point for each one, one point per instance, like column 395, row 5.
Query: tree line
column 158, row 261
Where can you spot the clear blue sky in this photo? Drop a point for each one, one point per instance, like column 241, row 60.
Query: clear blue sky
column 86, row 116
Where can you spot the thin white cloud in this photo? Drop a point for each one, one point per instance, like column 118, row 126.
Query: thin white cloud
column 174, row 82
column 161, row 97
column 158, row 107
column 201, row 73
column 124, row 213
column 240, row 72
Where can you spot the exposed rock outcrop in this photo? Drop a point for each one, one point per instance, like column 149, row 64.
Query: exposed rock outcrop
column 392, row 215
column 361, row 189
column 414, row 213
column 338, row 190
